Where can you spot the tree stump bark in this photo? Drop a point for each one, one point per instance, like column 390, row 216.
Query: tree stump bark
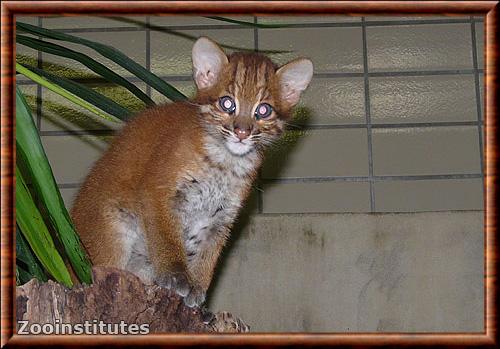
column 115, row 297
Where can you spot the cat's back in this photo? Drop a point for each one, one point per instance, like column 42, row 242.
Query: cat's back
column 158, row 132
column 160, row 124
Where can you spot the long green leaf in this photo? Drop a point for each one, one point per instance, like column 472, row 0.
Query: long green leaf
column 90, row 63
column 86, row 93
column 36, row 233
column 114, row 55
column 193, row 38
column 61, row 91
column 30, row 152
column 251, row 24
column 30, row 265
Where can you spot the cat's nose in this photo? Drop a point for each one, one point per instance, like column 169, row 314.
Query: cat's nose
column 242, row 133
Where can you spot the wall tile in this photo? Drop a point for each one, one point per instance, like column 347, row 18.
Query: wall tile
column 69, row 196
column 171, row 54
column 332, row 101
column 72, row 157
column 481, row 92
column 250, row 207
column 328, row 101
column 480, row 45
column 330, row 49
column 178, row 20
column 27, row 19
column 59, row 114
column 423, row 98
column 316, row 197
column 307, row 19
column 27, row 56
column 411, row 18
column 65, row 22
column 186, row 87
column 131, row 44
column 315, row 153
column 429, row 195
column 325, row 102
column 422, row 47
column 425, row 151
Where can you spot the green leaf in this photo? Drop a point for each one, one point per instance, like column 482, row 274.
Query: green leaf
column 61, row 91
column 114, row 55
column 193, row 38
column 87, row 94
column 85, row 60
column 18, row 277
column 36, row 233
column 250, row 24
column 32, row 156
column 22, row 276
column 25, row 259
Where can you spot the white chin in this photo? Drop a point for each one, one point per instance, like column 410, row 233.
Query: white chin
column 238, row 148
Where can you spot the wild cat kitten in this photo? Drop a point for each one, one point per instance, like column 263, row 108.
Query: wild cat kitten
column 162, row 200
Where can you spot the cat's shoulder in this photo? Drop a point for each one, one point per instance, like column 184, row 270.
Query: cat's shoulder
column 174, row 114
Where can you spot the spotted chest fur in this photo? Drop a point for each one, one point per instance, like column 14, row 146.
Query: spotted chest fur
column 207, row 201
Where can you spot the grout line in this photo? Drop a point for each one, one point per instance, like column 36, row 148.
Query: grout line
column 148, row 54
column 38, row 86
column 373, row 23
column 478, row 94
column 299, row 127
column 260, row 200
column 423, row 73
column 109, row 132
column 368, row 115
column 325, row 75
column 104, row 132
column 417, row 22
column 380, row 178
column 396, row 73
column 350, row 211
column 255, row 36
column 69, row 185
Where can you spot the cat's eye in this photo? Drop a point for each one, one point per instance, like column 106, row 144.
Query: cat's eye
column 263, row 111
column 227, row 104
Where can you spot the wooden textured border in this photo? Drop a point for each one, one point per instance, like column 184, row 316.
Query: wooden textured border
column 11, row 8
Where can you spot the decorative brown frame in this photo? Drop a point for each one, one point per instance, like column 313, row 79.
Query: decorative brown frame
column 358, row 8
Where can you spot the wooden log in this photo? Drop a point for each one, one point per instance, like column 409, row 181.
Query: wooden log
column 115, row 297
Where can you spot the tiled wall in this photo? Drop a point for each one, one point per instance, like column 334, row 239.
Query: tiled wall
column 392, row 121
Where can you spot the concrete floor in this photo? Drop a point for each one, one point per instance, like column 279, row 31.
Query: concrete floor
column 420, row 272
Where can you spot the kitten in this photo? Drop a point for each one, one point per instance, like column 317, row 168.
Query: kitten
column 162, row 199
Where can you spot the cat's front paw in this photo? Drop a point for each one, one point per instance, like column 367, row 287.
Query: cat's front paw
column 195, row 297
column 178, row 281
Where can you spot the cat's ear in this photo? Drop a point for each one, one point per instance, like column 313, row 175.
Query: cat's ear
column 208, row 62
column 294, row 77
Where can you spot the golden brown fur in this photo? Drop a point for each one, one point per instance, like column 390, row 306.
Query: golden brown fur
column 145, row 185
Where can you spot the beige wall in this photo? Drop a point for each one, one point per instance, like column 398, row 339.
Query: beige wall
column 411, row 272
column 391, row 123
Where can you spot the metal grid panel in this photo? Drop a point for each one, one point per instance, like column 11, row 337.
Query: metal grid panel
column 476, row 71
